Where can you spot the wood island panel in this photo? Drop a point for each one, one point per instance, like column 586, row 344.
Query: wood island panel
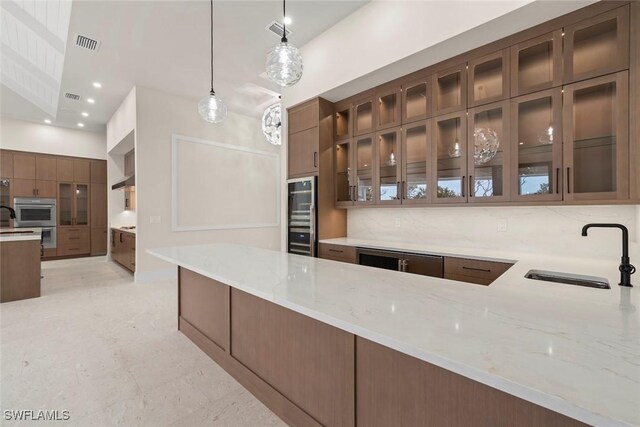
column 309, row 362
column 394, row 389
column 19, row 270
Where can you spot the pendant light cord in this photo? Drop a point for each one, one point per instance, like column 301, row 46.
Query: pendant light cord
column 212, row 91
column 284, row 22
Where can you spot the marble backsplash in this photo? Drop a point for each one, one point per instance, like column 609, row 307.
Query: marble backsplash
column 550, row 230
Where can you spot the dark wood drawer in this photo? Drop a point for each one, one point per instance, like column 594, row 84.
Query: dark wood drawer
column 81, row 248
column 473, row 270
column 338, row 252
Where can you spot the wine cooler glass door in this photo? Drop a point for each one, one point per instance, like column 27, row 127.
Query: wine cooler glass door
column 301, row 219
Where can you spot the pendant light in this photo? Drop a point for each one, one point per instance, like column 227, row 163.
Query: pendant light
column 272, row 123
column 211, row 108
column 284, row 62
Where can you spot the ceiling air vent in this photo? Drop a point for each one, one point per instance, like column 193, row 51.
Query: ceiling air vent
column 277, row 29
column 87, row 43
column 72, row 96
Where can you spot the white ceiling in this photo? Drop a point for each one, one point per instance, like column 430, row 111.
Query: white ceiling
column 165, row 45
column 34, row 34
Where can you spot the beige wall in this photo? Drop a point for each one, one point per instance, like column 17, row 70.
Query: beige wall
column 159, row 115
column 39, row 138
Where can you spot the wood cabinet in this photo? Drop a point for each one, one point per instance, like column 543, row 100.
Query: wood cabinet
column 130, row 163
column 32, row 187
column 24, row 166
column 597, row 46
column 99, row 239
column 488, row 162
column 449, row 157
column 98, row 195
column 98, row 172
column 363, row 115
column 354, row 171
column 123, row 249
column 489, row 78
column 387, row 164
column 388, row 107
column 343, row 120
column 303, row 117
column 416, row 99
column 536, row 155
column 303, row 153
column 73, row 204
column 338, row 253
column 449, row 88
column 6, row 165
column 73, row 241
column 81, row 170
column 596, row 138
column 64, row 169
column 416, row 186
column 45, row 168
column 475, row 271
column 536, row 64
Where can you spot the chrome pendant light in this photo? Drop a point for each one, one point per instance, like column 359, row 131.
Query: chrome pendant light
column 284, row 61
column 211, row 108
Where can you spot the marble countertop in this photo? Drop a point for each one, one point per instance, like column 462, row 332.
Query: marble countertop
column 571, row 349
column 125, row 230
column 36, row 235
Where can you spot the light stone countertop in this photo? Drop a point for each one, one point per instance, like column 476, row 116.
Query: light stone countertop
column 36, row 235
column 571, row 349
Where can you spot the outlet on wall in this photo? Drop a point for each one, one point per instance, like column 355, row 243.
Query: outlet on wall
column 154, row 220
column 503, row 225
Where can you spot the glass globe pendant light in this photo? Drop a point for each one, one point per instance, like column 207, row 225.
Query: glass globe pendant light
column 211, row 108
column 284, row 61
column 272, row 123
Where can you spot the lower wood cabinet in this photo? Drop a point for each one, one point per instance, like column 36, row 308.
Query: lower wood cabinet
column 475, row 271
column 99, row 240
column 123, row 249
column 73, row 241
column 338, row 253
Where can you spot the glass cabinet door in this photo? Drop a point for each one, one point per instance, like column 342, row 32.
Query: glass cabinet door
column 536, row 64
column 344, row 180
column 416, row 100
column 450, row 90
column 450, row 142
column 596, row 144
column 81, row 204
column 65, row 204
column 363, row 117
column 597, row 46
column 489, row 153
column 416, row 169
column 363, row 162
column 388, row 108
column 489, row 78
column 536, row 146
column 388, row 163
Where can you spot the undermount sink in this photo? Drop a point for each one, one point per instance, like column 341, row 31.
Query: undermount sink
column 16, row 232
column 568, row 278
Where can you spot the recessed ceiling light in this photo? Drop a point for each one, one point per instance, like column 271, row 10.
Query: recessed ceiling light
column 47, row 121
column 287, row 20
column 91, row 100
column 85, row 114
column 97, row 84
column 80, row 125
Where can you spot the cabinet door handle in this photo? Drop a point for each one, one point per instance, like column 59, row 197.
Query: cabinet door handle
column 557, row 180
column 120, row 237
column 404, row 189
column 484, row 270
column 315, row 159
column 568, row 180
column 464, row 181
column 470, row 185
column 398, row 190
column 336, row 250
column 399, row 265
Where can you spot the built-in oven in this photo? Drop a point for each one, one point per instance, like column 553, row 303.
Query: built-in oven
column 34, row 212
column 49, row 238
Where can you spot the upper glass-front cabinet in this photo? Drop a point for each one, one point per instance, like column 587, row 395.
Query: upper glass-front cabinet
column 596, row 140
column 450, row 90
column 343, row 165
column 416, row 100
column 450, row 168
column 597, row 46
column 388, row 107
column 342, row 121
column 416, row 154
column 363, row 116
column 536, row 149
column 488, row 159
column 363, row 170
column 536, row 64
column 73, row 204
column 489, row 78
column 388, row 164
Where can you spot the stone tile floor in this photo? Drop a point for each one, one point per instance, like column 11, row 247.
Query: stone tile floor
column 108, row 351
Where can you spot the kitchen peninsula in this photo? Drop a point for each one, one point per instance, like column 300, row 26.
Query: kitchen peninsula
column 329, row 343
column 20, row 252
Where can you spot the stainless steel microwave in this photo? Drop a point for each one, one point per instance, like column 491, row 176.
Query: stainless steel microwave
column 34, row 212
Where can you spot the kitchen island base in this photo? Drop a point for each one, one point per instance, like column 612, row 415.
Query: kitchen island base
column 310, row 373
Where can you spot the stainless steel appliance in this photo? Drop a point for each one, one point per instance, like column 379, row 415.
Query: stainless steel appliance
column 301, row 225
column 49, row 238
column 34, row 212
column 425, row 265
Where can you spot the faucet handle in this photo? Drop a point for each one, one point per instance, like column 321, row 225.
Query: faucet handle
column 627, row 268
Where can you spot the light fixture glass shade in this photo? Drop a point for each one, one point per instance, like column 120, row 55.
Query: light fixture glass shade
column 486, row 145
column 284, row 64
column 272, row 123
column 212, row 109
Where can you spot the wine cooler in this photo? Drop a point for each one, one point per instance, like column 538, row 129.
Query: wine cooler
column 301, row 221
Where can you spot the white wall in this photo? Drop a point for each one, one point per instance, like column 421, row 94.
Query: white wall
column 551, row 230
column 40, row 138
column 123, row 121
column 159, row 115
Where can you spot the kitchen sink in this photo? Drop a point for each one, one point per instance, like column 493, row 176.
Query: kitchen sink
column 568, row 278
column 16, row 232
